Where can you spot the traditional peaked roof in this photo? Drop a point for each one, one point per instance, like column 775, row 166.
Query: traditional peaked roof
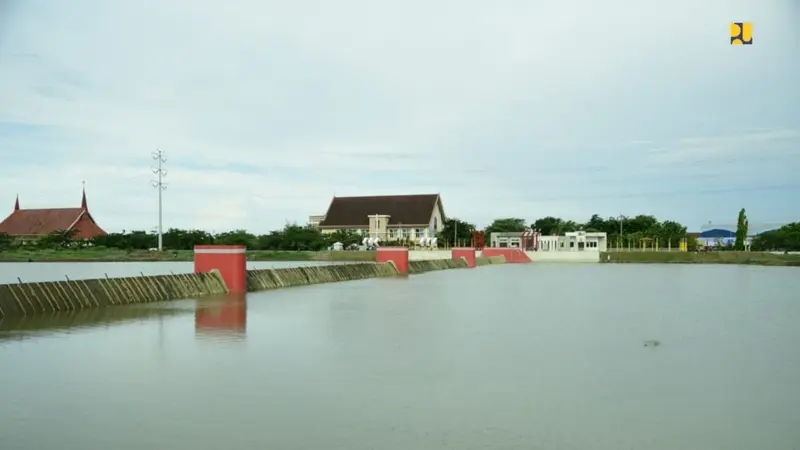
column 408, row 210
column 39, row 222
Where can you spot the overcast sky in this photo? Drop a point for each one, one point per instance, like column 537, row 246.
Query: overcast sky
column 516, row 108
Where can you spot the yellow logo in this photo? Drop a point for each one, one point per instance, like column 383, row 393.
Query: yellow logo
column 741, row 33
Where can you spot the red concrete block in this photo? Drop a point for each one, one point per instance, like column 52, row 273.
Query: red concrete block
column 397, row 255
column 230, row 260
column 513, row 255
column 466, row 253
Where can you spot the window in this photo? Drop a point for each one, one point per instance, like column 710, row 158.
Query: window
column 420, row 232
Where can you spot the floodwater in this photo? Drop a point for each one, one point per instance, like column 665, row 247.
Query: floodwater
column 503, row 357
column 40, row 272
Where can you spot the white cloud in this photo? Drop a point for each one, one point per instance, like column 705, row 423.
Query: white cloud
column 267, row 108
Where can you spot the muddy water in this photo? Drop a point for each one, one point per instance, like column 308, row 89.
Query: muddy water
column 501, row 357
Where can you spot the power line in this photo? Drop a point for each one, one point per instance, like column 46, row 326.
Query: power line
column 160, row 172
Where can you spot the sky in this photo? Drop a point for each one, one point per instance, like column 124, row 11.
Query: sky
column 266, row 109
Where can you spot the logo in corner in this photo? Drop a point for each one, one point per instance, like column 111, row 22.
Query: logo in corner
column 741, row 33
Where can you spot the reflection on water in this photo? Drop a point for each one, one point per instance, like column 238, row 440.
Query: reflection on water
column 224, row 317
column 21, row 327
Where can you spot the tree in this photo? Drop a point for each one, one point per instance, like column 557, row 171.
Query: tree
column 58, row 239
column 505, row 225
column 785, row 238
column 548, row 225
column 455, row 232
column 303, row 238
column 741, row 230
column 236, row 237
column 5, row 242
column 346, row 237
column 177, row 239
column 135, row 240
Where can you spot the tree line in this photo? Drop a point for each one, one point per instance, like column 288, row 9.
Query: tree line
column 622, row 232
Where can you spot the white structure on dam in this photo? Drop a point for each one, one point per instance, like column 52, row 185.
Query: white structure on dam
column 575, row 246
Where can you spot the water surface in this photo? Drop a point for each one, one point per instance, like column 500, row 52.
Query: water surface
column 500, row 357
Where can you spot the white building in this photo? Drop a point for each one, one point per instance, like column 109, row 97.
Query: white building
column 575, row 241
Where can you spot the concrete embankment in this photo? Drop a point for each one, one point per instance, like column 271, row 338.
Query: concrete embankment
column 32, row 298
column 489, row 260
column 265, row 279
column 422, row 266
column 416, row 267
column 724, row 257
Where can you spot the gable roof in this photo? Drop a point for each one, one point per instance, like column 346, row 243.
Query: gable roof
column 43, row 221
column 401, row 209
column 33, row 222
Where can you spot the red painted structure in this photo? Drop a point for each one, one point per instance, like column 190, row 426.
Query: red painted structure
column 397, row 255
column 513, row 255
column 230, row 260
column 529, row 240
column 229, row 316
column 478, row 240
column 467, row 253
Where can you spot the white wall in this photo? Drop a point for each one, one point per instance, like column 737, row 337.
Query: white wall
column 437, row 215
column 425, row 255
column 588, row 257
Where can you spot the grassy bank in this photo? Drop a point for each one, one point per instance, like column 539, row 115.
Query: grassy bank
column 752, row 258
column 117, row 255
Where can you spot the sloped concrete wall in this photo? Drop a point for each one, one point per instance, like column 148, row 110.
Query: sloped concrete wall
column 512, row 255
column 265, row 279
column 32, row 298
column 489, row 260
column 415, row 267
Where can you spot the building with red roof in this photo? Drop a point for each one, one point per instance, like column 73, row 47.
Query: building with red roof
column 36, row 223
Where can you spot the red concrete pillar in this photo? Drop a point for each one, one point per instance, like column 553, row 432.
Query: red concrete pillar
column 230, row 260
column 466, row 253
column 397, row 255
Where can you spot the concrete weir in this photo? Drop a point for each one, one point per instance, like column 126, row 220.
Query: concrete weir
column 218, row 270
column 51, row 296
column 266, row 279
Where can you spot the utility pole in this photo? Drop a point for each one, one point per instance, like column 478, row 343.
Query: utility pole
column 160, row 172
column 621, row 217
